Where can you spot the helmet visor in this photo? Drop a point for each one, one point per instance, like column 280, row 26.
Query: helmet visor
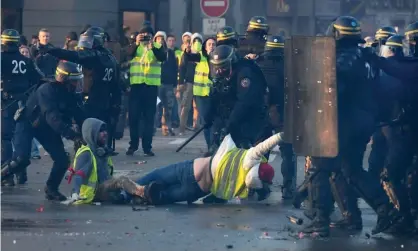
column 408, row 47
column 385, row 51
column 222, row 70
column 85, row 42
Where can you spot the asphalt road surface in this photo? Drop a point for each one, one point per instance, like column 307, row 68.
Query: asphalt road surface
column 30, row 222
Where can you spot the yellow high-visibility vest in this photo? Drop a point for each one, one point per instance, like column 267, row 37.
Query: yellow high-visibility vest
column 145, row 68
column 88, row 190
column 229, row 178
column 202, row 83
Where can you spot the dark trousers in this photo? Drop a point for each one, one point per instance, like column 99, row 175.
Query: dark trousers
column 203, row 106
column 52, row 143
column 7, row 130
column 142, row 106
column 378, row 153
column 178, row 182
column 355, row 132
column 402, row 146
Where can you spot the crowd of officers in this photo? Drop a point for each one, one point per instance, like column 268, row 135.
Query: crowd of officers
column 237, row 85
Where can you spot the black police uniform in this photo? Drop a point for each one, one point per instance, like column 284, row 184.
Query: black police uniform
column 104, row 95
column 356, row 125
column 403, row 143
column 18, row 74
column 48, row 117
column 255, row 38
column 271, row 62
column 238, row 102
column 379, row 143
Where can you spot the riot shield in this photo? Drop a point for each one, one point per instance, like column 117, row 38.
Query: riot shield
column 310, row 116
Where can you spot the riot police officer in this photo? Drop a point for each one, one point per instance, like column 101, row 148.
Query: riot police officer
column 272, row 64
column 48, row 117
column 227, row 36
column 382, row 35
column 379, row 143
column 102, row 92
column 253, row 43
column 356, row 124
column 238, row 97
column 18, row 74
column 406, row 70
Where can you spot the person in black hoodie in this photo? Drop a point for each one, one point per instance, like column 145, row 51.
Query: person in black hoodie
column 169, row 70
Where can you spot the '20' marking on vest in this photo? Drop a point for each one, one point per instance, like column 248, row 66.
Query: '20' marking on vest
column 108, row 74
column 19, row 67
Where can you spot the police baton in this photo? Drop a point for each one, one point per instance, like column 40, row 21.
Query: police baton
column 189, row 139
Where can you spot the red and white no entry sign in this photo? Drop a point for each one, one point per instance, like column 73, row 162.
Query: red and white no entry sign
column 214, row 8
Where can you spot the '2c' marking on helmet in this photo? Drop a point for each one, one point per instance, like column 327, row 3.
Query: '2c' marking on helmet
column 354, row 24
column 245, row 82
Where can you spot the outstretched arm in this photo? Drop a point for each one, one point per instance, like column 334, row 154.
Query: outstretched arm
column 255, row 153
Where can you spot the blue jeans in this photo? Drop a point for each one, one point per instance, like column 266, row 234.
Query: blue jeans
column 178, row 181
column 203, row 106
column 35, row 148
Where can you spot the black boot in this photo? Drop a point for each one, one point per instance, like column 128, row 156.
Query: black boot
column 54, row 194
column 387, row 216
column 319, row 226
column 349, row 222
column 22, row 178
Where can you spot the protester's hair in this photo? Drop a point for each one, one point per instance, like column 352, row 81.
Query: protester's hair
column 106, row 36
column 23, row 40
column 44, row 30
column 171, row 35
column 72, row 35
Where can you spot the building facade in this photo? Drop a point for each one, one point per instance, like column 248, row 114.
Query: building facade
column 62, row 16
column 120, row 17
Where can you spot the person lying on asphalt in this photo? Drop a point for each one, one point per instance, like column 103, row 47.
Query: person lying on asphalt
column 92, row 172
column 232, row 172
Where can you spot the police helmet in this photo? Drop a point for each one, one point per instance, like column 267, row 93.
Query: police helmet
column 222, row 59
column 411, row 35
column 346, row 28
column 68, row 71
column 274, row 43
column 228, row 36
column 258, row 24
column 384, row 33
column 10, row 37
column 99, row 34
column 393, row 47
